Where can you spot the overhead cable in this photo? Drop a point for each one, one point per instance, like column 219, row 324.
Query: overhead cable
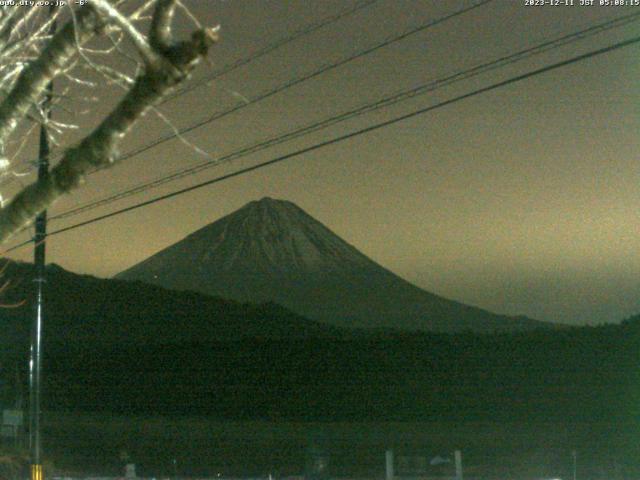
column 363, row 109
column 333, row 141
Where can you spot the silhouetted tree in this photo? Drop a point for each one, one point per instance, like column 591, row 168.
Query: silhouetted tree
column 31, row 58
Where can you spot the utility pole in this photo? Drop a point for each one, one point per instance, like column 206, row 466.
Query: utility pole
column 458, row 459
column 35, row 360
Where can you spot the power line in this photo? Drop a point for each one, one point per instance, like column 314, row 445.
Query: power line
column 305, row 30
column 381, row 103
column 303, row 78
column 308, row 76
column 348, row 136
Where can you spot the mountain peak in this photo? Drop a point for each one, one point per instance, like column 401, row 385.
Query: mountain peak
column 269, row 201
column 271, row 204
column 272, row 250
column 264, row 202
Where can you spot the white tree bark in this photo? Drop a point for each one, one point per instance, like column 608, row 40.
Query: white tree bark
column 33, row 81
column 166, row 64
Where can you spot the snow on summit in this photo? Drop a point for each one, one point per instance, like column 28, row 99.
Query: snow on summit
column 272, row 250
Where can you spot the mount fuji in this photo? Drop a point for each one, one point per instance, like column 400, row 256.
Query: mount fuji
column 273, row 251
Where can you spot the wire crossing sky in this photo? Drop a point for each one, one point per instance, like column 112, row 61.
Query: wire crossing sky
column 520, row 200
column 366, row 130
column 381, row 103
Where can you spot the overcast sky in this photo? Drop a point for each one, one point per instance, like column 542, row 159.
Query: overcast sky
column 523, row 200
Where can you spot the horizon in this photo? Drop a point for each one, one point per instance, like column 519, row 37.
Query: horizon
column 271, row 201
column 521, row 201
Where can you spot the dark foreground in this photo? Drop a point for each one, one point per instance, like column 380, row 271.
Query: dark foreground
column 99, row 445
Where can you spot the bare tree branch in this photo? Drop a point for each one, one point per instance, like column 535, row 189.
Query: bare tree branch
column 113, row 14
column 170, row 65
column 32, row 82
column 160, row 32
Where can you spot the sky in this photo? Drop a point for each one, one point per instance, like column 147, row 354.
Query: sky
column 522, row 200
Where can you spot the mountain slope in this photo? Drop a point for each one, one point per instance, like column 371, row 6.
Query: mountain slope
column 271, row 250
column 93, row 312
